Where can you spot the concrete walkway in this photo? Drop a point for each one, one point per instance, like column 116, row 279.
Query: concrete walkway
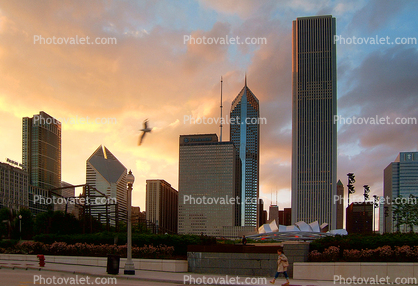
column 158, row 276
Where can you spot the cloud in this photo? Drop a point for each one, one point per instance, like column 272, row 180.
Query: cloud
column 377, row 13
column 151, row 73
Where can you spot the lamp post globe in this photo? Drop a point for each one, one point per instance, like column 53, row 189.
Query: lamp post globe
column 129, row 265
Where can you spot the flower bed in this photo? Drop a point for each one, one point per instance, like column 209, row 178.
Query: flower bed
column 385, row 253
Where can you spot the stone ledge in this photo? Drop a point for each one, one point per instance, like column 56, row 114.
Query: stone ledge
column 165, row 265
column 329, row 271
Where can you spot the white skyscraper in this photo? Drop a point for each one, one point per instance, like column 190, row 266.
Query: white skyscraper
column 108, row 176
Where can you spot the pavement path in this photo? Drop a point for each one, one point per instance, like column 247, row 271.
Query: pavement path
column 154, row 276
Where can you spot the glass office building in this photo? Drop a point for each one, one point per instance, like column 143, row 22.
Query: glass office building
column 245, row 134
column 314, row 134
column 41, row 150
column 400, row 179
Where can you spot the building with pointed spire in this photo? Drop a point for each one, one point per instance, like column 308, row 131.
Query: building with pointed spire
column 340, row 205
column 314, row 134
column 107, row 175
column 245, row 134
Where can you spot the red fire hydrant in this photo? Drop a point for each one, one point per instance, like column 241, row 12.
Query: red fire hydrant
column 41, row 258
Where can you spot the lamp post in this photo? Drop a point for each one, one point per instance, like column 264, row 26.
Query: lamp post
column 129, row 265
column 20, row 227
column 375, row 206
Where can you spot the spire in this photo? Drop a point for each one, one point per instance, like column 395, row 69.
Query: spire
column 245, row 79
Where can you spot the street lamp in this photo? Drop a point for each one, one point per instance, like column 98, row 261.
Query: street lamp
column 20, row 227
column 129, row 265
column 375, row 206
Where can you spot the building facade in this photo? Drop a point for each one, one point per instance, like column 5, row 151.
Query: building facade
column 274, row 213
column 285, row 216
column 65, row 192
column 41, row 150
column 360, row 218
column 261, row 219
column 209, row 185
column 162, row 206
column 245, row 134
column 400, row 179
column 340, row 205
column 14, row 187
column 314, row 134
column 107, row 175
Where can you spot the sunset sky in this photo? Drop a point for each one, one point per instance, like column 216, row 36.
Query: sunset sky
column 151, row 73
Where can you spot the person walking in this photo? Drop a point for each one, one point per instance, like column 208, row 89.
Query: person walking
column 244, row 240
column 282, row 264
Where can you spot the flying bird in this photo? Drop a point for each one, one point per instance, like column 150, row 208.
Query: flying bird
column 145, row 130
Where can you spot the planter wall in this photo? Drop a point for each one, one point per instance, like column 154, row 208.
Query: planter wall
column 332, row 271
column 140, row 264
column 243, row 260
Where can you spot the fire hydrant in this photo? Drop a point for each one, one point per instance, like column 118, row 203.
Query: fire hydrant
column 41, row 258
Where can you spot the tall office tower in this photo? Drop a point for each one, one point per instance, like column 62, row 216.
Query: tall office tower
column 13, row 187
column 314, row 135
column 400, row 179
column 245, row 134
column 261, row 220
column 162, row 206
column 340, row 205
column 274, row 213
column 41, row 150
column 108, row 176
column 209, row 185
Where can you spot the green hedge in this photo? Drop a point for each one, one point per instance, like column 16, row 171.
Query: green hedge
column 179, row 242
column 8, row 243
column 361, row 241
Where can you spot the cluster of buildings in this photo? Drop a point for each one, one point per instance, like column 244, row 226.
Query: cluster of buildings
column 219, row 180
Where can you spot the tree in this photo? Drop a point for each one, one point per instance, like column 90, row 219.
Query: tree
column 405, row 212
column 5, row 222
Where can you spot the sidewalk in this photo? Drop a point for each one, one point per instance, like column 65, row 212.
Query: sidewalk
column 154, row 276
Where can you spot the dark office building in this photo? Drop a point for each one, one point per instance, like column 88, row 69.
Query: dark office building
column 285, row 216
column 314, row 134
column 359, row 218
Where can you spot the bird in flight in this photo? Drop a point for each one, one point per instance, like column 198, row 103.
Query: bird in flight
column 145, row 130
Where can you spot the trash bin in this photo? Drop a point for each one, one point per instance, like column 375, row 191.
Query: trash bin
column 113, row 264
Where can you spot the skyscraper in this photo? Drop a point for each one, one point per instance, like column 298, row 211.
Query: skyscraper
column 108, row 176
column 208, row 185
column 314, row 135
column 400, row 179
column 245, row 134
column 41, row 150
column 162, row 206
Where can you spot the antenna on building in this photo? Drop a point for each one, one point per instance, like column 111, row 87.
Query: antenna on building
column 276, row 196
column 221, row 111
